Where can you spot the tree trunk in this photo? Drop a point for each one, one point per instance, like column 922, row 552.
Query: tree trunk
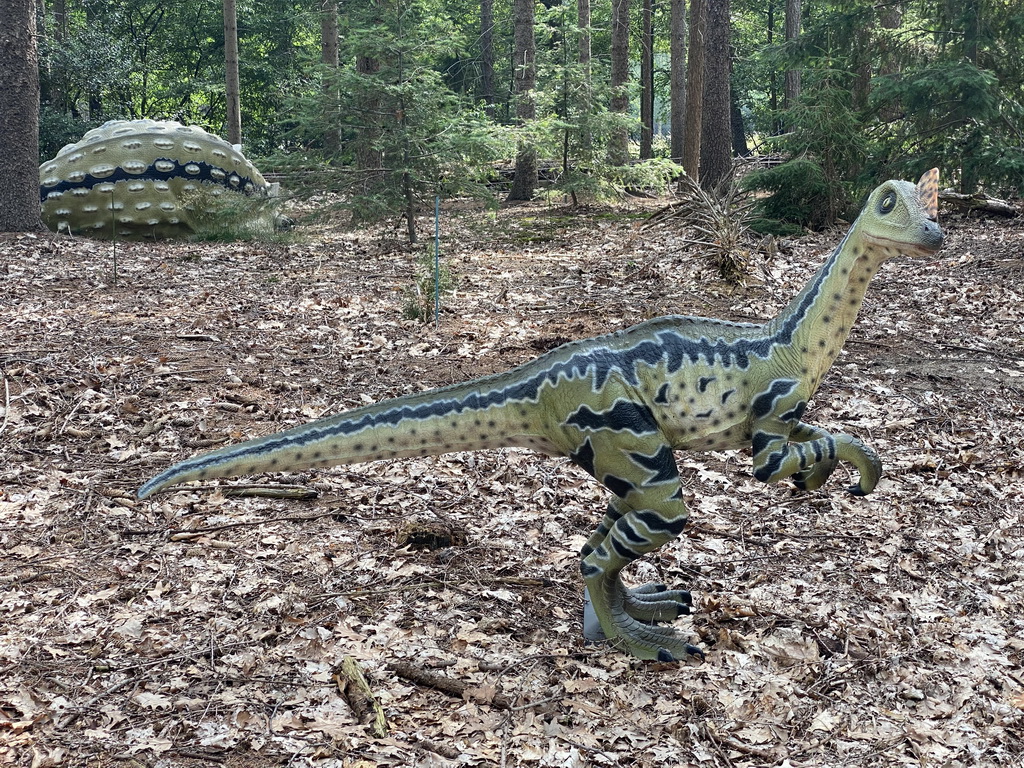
column 487, row 54
column 716, row 122
column 791, row 87
column 19, row 118
column 525, row 180
column 233, row 108
column 677, row 85
column 773, row 89
column 56, row 96
column 329, row 56
column 694, row 89
column 618, row 141
column 739, row 129
column 583, row 57
column 647, row 81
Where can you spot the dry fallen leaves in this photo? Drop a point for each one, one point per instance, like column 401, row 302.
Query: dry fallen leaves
column 201, row 629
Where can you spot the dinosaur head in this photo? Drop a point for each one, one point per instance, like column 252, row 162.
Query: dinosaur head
column 901, row 216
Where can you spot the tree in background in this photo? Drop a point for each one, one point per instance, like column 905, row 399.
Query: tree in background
column 525, row 73
column 618, row 142
column 647, row 80
column 677, row 78
column 232, row 95
column 329, row 42
column 694, row 88
column 716, row 119
column 19, row 117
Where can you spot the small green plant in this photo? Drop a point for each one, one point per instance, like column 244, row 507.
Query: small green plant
column 429, row 281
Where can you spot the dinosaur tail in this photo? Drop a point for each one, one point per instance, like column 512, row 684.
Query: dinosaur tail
column 470, row 416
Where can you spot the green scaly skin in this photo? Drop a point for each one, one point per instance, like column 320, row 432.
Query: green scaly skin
column 619, row 405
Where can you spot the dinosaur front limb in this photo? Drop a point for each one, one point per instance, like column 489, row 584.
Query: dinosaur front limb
column 812, row 457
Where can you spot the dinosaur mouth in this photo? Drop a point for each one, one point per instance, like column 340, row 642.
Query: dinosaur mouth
column 928, row 241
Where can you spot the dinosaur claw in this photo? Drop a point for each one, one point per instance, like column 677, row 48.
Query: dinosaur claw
column 696, row 652
column 665, row 656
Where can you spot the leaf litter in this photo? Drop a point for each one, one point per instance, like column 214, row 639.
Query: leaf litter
column 200, row 628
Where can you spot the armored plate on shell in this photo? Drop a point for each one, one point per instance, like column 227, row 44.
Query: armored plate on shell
column 142, row 179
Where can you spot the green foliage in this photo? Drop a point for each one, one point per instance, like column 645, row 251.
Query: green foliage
column 956, row 115
column 795, row 193
column 225, row 218
column 429, row 283
column 829, row 150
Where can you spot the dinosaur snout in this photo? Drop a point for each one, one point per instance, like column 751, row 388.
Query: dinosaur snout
column 930, row 238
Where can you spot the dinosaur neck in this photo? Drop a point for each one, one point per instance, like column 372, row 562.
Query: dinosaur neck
column 814, row 327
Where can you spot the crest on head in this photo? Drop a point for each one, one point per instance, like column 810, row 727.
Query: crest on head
column 928, row 193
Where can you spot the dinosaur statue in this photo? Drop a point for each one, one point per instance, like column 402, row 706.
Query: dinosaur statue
column 144, row 179
column 619, row 405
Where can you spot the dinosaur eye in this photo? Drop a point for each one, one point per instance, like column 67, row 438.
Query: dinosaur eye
column 888, row 203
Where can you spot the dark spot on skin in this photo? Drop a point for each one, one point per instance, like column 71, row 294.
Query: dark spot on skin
column 357, row 447
column 203, row 474
column 526, row 425
column 318, row 454
column 826, row 319
column 716, row 422
column 484, row 436
column 491, row 424
column 274, row 462
column 837, row 296
column 804, row 350
column 476, row 422
column 821, row 343
column 391, row 439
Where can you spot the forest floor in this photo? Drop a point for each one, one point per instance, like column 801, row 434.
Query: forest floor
column 202, row 629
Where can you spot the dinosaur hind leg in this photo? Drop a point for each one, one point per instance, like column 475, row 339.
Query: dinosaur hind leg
column 649, row 602
column 648, row 515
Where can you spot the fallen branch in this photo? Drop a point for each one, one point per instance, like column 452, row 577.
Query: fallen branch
column 356, row 691
column 979, row 201
column 455, row 688
column 184, row 534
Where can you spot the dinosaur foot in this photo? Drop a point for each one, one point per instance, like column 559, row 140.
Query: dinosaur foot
column 634, row 630
column 656, row 602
